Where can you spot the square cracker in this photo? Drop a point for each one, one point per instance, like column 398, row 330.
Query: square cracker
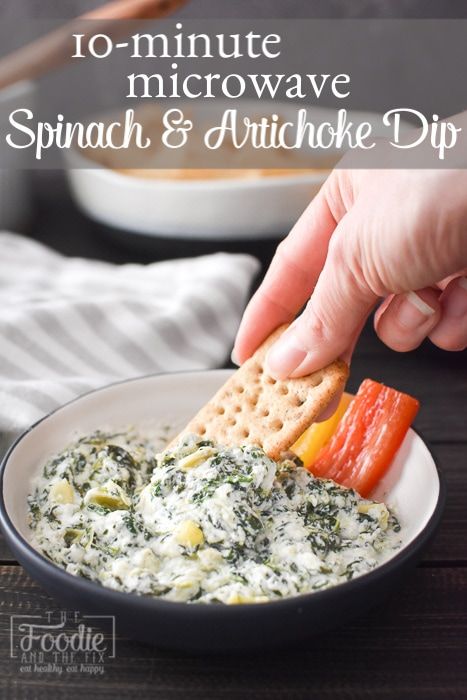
column 252, row 408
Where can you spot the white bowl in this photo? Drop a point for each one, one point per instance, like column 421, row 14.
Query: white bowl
column 412, row 487
column 219, row 209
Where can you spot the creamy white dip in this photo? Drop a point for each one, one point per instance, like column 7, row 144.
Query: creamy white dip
column 201, row 522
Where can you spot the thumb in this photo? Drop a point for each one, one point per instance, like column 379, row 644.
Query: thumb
column 333, row 317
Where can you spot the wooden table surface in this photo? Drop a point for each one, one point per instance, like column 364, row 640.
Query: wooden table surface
column 413, row 645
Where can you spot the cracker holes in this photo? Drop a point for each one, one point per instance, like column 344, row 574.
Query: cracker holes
column 221, row 410
column 318, row 381
column 245, row 433
column 283, row 389
column 256, row 375
column 239, row 389
column 276, row 425
column 232, row 421
column 237, row 408
column 271, row 381
column 265, row 412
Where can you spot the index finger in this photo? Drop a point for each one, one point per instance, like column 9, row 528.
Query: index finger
column 291, row 277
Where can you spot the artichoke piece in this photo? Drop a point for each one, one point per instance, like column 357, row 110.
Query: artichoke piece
column 62, row 492
column 110, row 495
column 193, row 460
column 189, row 534
column 240, row 599
column 377, row 511
column 74, row 535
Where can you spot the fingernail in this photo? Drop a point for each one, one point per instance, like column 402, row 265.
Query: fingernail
column 234, row 359
column 413, row 311
column 456, row 303
column 284, row 356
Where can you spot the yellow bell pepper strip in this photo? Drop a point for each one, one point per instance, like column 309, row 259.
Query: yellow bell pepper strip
column 367, row 438
column 318, row 434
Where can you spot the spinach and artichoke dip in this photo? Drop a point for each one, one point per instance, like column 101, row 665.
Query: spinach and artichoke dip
column 202, row 522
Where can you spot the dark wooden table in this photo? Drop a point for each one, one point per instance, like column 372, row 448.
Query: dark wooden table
column 414, row 645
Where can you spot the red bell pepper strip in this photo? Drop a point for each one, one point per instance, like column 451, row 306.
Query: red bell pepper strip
column 367, row 437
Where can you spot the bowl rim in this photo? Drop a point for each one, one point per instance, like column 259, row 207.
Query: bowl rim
column 152, row 603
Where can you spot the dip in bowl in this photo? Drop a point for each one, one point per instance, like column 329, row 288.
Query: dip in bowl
column 202, row 523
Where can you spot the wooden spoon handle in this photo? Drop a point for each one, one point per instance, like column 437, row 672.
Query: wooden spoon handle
column 135, row 9
column 57, row 47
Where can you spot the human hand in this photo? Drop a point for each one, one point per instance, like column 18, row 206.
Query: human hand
column 396, row 236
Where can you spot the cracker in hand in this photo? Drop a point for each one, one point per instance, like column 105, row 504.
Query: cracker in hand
column 253, row 408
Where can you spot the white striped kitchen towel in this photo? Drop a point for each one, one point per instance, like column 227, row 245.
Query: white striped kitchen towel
column 68, row 324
